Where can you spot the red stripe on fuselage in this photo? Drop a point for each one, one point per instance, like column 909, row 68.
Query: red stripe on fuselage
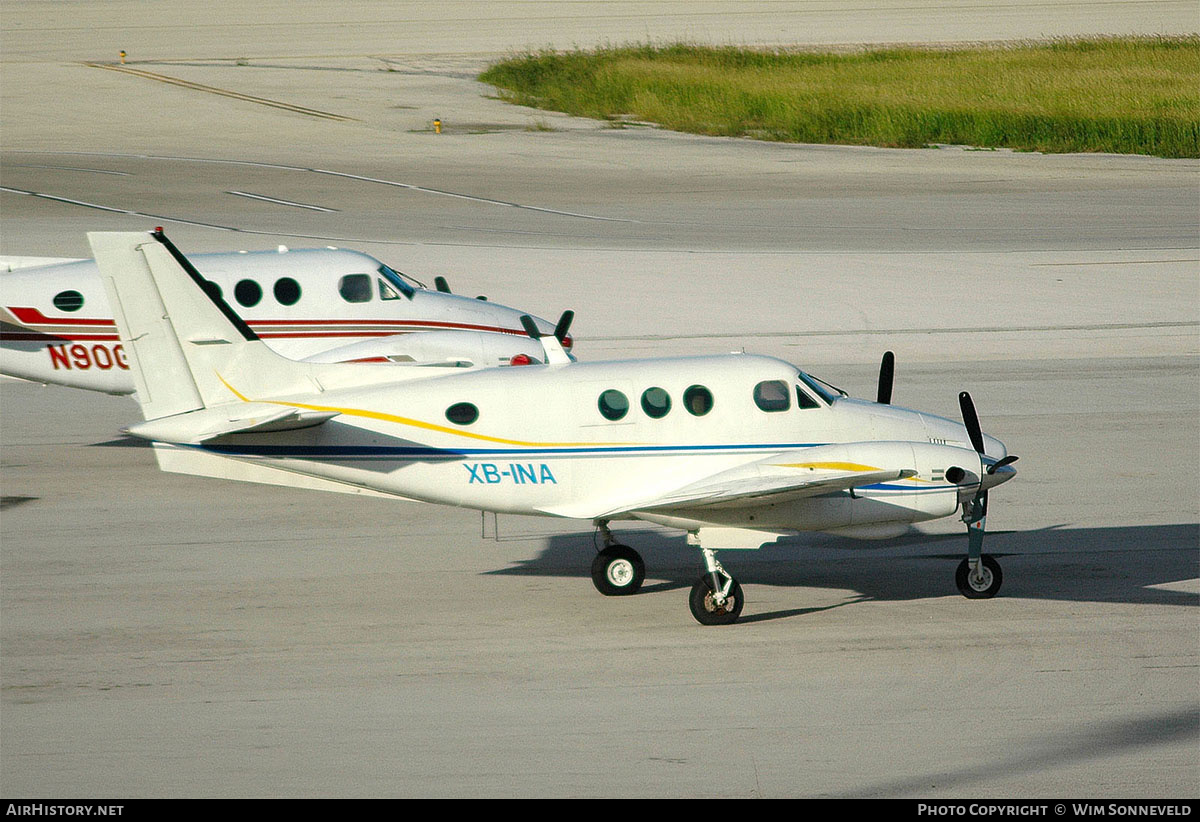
column 59, row 326
column 31, row 316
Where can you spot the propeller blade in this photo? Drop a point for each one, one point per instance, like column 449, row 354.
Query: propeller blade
column 887, row 374
column 441, row 285
column 564, row 325
column 530, row 327
column 971, row 420
column 1009, row 460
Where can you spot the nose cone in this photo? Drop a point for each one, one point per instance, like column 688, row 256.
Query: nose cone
column 996, row 474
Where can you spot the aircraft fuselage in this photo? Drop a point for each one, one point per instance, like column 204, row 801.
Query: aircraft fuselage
column 56, row 325
column 579, row 439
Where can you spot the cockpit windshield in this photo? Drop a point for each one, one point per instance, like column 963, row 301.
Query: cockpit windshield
column 823, row 389
column 397, row 279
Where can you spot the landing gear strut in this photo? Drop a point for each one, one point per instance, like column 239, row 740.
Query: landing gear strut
column 978, row 576
column 617, row 570
column 716, row 598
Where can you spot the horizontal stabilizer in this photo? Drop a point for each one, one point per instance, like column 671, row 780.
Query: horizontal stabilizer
column 197, row 462
column 209, row 423
column 17, row 263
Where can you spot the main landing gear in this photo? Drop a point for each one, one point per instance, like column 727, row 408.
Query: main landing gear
column 618, row 570
column 716, row 597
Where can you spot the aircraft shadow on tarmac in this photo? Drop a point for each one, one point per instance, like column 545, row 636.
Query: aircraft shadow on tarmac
column 1102, row 739
column 1117, row 565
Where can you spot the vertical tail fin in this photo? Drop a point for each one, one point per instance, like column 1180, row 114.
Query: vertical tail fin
column 185, row 340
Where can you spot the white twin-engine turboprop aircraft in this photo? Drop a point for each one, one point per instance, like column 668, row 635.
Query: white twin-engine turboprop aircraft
column 321, row 305
column 735, row 450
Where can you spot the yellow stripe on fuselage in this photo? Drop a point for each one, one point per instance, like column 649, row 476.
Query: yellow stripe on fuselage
column 830, row 466
column 849, row 467
column 429, row 426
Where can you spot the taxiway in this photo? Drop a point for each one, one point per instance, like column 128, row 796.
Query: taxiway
column 164, row 635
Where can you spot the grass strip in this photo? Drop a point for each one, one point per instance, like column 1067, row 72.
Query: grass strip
column 1125, row 95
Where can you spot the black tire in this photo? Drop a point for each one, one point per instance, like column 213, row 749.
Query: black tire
column 617, row 571
column 708, row 612
column 975, row 589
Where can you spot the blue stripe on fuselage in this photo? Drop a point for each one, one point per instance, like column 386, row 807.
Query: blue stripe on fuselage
column 402, row 451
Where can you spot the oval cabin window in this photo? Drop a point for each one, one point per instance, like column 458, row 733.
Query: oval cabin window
column 698, row 400
column 772, row 395
column 656, row 402
column 613, row 404
column 462, row 413
column 287, row 291
column 68, row 301
column 355, row 288
column 248, row 293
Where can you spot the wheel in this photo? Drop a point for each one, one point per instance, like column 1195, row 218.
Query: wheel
column 618, row 570
column 708, row 612
column 983, row 588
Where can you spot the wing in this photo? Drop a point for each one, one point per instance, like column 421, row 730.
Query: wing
column 775, row 478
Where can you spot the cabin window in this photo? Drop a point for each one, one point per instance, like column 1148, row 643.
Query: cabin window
column 212, row 290
column 386, row 292
column 698, row 400
column 772, row 395
column 656, row 402
column 613, row 404
column 287, row 291
column 68, row 301
column 819, row 387
column 397, row 281
column 805, row 401
column 462, row 413
column 355, row 288
column 248, row 293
